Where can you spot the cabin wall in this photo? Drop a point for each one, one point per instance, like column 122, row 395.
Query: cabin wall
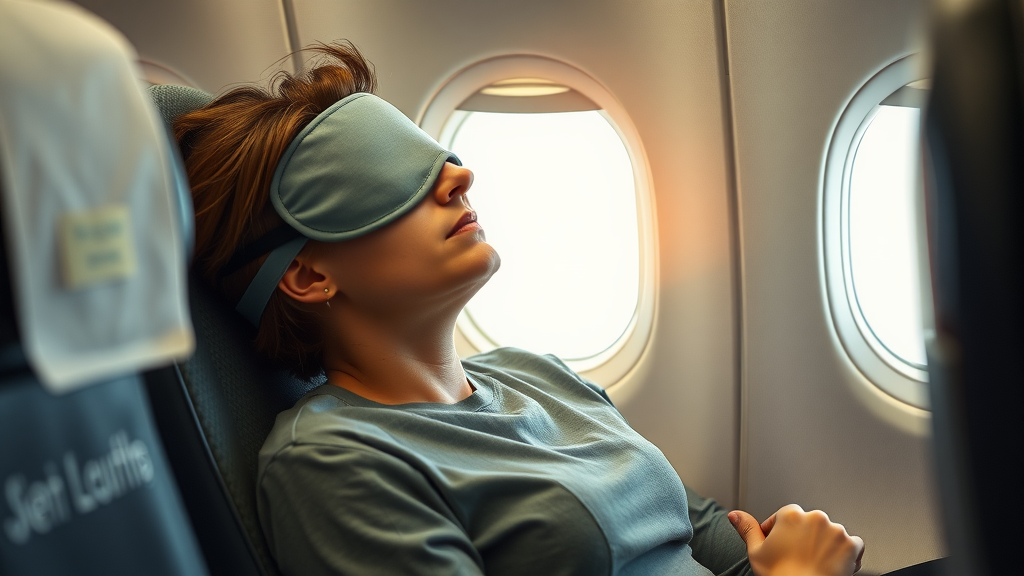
column 211, row 43
column 814, row 431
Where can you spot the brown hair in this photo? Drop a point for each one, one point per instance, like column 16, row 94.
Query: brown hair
column 233, row 146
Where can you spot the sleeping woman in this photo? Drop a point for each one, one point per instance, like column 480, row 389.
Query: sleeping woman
column 346, row 236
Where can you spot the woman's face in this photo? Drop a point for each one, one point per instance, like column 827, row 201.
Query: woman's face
column 433, row 256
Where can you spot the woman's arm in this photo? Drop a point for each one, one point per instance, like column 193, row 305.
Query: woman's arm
column 330, row 510
column 716, row 544
column 790, row 543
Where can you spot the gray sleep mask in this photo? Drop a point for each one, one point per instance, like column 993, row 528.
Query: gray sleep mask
column 356, row 167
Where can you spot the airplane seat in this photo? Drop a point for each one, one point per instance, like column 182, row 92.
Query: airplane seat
column 974, row 137
column 91, row 293
column 221, row 405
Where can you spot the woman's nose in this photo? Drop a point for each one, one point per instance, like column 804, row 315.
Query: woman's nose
column 453, row 181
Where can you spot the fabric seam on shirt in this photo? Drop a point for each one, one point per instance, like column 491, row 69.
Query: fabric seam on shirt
column 456, row 510
column 305, row 402
column 604, row 535
column 295, row 422
column 494, row 383
column 372, row 452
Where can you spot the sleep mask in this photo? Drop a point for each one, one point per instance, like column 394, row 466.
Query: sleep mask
column 358, row 166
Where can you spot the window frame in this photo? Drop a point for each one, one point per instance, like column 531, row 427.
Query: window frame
column 615, row 363
column 896, row 377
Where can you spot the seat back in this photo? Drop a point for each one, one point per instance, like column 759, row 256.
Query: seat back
column 974, row 129
column 86, row 485
column 226, row 400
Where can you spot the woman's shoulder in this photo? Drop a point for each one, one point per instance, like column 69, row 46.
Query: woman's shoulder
column 515, row 361
column 322, row 416
column 509, row 358
column 512, row 366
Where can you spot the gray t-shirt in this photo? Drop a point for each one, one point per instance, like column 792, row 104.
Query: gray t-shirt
column 535, row 473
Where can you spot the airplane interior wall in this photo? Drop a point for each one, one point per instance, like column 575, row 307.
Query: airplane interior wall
column 741, row 339
column 816, row 431
column 209, row 44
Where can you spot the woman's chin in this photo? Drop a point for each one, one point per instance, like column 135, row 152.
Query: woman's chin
column 482, row 263
column 493, row 263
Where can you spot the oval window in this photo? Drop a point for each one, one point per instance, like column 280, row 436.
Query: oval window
column 882, row 241
column 875, row 257
column 561, row 198
column 555, row 195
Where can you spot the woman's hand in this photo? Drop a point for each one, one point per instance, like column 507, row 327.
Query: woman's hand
column 797, row 543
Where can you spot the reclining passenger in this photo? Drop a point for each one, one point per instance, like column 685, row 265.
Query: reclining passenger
column 345, row 234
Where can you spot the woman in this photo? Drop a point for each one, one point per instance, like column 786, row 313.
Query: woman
column 345, row 235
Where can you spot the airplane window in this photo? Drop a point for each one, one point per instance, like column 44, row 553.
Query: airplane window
column 874, row 254
column 563, row 192
column 883, row 249
column 556, row 197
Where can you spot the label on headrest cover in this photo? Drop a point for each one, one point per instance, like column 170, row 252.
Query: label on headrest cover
column 96, row 247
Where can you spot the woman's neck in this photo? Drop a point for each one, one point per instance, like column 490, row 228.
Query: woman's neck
column 397, row 361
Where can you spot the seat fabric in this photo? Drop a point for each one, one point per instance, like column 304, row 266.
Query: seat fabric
column 236, row 396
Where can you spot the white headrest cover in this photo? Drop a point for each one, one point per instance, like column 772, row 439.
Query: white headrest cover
column 95, row 250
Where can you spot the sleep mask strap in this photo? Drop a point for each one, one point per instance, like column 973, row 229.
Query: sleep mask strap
column 269, row 241
column 256, row 296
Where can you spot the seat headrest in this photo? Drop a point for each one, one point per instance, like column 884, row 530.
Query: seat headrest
column 90, row 210
column 173, row 101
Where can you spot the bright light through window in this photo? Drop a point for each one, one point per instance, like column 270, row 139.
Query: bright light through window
column 556, row 198
column 882, row 232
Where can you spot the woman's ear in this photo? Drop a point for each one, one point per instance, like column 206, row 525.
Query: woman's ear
column 303, row 283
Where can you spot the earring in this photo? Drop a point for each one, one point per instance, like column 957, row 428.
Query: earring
column 328, row 292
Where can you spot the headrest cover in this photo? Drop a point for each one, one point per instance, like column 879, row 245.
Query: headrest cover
column 356, row 167
column 173, row 101
column 87, row 183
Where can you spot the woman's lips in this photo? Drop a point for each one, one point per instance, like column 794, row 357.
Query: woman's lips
column 466, row 223
column 467, row 227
